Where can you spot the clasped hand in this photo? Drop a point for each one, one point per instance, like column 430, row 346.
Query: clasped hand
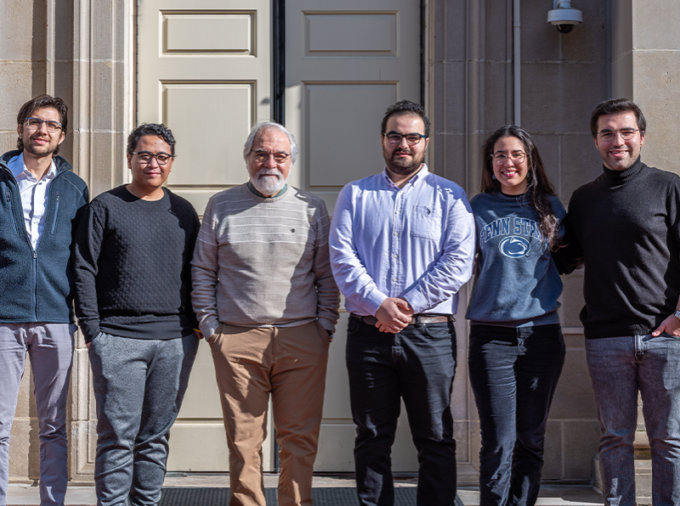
column 393, row 315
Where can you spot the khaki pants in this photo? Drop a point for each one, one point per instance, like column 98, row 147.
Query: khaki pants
column 290, row 364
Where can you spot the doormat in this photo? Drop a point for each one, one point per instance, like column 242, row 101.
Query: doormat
column 320, row 496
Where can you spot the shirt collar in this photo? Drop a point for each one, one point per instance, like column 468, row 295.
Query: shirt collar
column 419, row 176
column 18, row 168
column 252, row 188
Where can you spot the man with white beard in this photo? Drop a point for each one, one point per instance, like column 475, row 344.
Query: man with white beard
column 267, row 303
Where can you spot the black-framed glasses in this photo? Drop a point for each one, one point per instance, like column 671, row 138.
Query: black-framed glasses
column 396, row 137
column 626, row 134
column 516, row 157
column 262, row 156
column 145, row 157
column 36, row 123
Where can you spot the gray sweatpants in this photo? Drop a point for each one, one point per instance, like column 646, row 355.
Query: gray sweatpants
column 50, row 346
column 139, row 385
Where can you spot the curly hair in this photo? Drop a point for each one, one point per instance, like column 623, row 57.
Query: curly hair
column 157, row 129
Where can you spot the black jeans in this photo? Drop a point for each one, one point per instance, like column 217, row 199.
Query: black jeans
column 513, row 373
column 417, row 365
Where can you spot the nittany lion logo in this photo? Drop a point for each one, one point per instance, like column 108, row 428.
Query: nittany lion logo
column 514, row 246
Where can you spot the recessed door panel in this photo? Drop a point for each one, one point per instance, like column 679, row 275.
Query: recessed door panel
column 361, row 104
column 201, row 33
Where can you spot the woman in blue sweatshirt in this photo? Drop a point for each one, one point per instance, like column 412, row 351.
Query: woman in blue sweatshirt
column 516, row 348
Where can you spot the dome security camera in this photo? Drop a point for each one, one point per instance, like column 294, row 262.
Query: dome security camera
column 563, row 17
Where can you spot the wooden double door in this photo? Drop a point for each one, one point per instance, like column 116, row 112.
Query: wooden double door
column 327, row 69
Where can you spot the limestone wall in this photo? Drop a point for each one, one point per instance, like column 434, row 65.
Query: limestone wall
column 80, row 51
column 83, row 51
column 563, row 78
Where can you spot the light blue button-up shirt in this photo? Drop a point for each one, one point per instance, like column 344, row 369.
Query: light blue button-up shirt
column 415, row 242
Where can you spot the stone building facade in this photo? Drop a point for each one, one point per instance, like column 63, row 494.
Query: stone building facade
column 85, row 52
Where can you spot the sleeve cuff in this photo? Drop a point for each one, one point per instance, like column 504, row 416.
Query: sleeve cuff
column 90, row 330
column 417, row 301
column 327, row 324
column 373, row 301
column 209, row 327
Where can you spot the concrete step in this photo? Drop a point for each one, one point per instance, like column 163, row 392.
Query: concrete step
column 344, row 494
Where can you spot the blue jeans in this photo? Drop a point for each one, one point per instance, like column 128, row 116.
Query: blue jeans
column 619, row 367
column 513, row 374
column 417, row 365
column 139, row 385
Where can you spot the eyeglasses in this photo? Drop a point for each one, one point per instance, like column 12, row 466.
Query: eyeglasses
column 36, row 123
column 262, row 156
column 145, row 157
column 411, row 139
column 626, row 134
column 501, row 158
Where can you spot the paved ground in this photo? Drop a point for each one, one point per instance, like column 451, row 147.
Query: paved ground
column 574, row 495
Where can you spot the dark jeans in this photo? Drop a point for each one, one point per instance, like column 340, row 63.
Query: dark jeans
column 620, row 367
column 417, row 365
column 513, row 373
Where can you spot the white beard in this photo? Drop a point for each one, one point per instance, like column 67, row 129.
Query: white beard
column 272, row 182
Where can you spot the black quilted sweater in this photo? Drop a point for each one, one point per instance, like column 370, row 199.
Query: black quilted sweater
column 132, row 266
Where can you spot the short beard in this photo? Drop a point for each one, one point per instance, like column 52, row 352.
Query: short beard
column 402, row 167
column 38, row 154
column 265, row 185
column 41, row 152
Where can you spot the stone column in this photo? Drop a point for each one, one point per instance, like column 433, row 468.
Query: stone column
column 80, row 51
column 101, row 116
column 645, row 69
column 27, row 57
column 458, row 66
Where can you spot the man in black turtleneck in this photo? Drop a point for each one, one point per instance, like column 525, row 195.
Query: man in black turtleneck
column 625, row 228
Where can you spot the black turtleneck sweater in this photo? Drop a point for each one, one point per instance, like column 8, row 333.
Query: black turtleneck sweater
column 625, row 225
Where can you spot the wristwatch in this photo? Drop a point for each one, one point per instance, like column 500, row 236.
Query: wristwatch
column 677, row 314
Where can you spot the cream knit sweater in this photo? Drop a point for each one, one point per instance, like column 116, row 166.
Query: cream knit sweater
column 263, row 262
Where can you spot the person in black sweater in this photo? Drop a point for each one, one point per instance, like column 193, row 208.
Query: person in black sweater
column 625, row 228
column 132, row 267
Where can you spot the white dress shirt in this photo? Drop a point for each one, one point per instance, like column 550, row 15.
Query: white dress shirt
column 415, row 242
column 33, row 196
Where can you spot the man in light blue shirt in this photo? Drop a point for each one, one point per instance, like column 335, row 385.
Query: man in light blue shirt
column 402, row 244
